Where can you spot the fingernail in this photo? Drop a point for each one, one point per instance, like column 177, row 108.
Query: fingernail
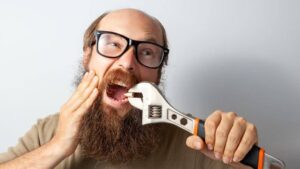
column 209, row 146
column 226, row 160
column 236, row 159
column 218, row 155
column 197, row 145
column 95, row 78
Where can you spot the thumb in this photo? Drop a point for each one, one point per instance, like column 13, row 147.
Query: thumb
column 195, row 142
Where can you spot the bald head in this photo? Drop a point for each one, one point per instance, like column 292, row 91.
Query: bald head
column 134, row 24
column 131, row 17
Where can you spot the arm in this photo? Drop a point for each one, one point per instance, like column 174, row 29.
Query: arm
column 65, row 140
column 44, row 157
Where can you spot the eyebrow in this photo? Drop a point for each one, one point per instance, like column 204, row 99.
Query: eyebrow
column 151, row 39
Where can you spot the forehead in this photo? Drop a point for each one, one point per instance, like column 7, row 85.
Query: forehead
column 133, row 24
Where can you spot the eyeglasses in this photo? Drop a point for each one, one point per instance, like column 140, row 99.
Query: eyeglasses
column 114, row 45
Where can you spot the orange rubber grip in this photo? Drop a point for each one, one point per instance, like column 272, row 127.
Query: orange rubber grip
column 261, row 157
column 196, row 122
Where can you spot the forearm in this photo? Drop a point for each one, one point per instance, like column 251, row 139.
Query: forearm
column 44, row 157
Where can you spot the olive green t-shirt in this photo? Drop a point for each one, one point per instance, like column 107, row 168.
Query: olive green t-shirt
column 171, row 153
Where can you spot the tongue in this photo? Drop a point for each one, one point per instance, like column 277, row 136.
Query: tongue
column 117, row 92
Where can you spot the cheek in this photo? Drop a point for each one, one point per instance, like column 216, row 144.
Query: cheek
column 150, row 75
column 100, row 65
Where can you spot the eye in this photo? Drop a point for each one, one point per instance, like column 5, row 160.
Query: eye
column 113, row 44
column 147, row 53
column 112, row 41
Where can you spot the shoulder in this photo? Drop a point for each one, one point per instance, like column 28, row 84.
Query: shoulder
column 45, row 127
column 39, row 134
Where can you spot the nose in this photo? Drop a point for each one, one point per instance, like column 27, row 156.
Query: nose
column 128, row 60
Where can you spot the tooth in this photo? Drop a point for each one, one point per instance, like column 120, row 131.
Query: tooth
column 128, row 94
column 120, row 83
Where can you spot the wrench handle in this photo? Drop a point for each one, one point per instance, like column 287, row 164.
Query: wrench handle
column 254, row 158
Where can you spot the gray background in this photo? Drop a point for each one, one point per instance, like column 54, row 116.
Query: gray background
column 234, row 55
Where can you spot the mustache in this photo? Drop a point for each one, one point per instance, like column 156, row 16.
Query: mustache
column 124, row 76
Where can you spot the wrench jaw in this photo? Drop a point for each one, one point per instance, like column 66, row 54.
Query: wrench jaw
column 136, row 102
column 155, row 107
column 135, row 96
column 151, row 103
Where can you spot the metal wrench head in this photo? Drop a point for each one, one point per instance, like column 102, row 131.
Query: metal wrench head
column 148, row 98
column 155, row 107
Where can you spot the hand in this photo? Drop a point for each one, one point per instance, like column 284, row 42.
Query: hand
column 72, row 112
column 229, row 136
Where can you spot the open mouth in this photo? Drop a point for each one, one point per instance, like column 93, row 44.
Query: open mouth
column 116, row 91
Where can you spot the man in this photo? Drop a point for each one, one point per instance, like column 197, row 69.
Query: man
column 98, row 128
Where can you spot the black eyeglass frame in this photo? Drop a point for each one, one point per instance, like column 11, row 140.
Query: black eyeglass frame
column 130, row 42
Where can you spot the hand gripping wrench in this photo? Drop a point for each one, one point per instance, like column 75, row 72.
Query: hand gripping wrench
column 156, row 109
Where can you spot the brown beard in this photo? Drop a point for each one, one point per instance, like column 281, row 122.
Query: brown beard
column 104, row 135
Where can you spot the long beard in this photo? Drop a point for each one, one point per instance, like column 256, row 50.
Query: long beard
column 104, row 135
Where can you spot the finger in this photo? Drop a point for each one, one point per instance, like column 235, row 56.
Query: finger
column 195, row 142
column 222, row 133
column 234, row 137
column 81, row 88
column 83, row 85
column 248, row 140
column 84, row 78
column 82, row 98
column 210, row 126
column 87, row 104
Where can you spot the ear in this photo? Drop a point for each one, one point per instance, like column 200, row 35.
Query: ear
column 87, row 53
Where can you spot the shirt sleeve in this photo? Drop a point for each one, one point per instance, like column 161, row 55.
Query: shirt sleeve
column 39, row 134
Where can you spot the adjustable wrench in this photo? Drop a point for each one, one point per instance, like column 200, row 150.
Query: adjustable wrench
column 156, row 109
